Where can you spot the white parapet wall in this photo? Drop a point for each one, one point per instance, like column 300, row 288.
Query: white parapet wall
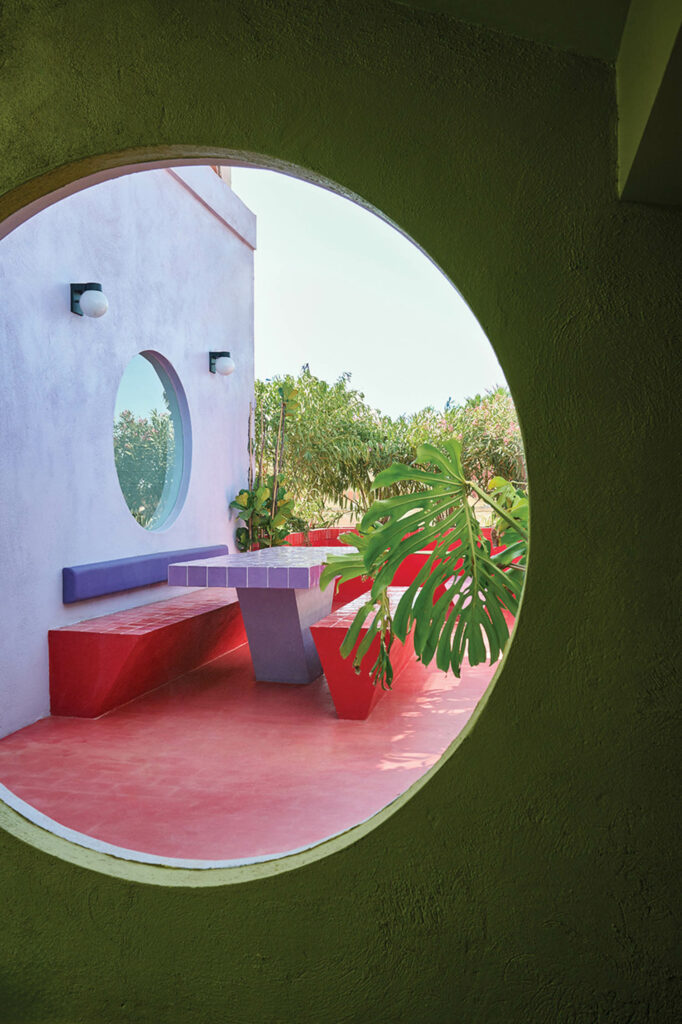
column 173, row 250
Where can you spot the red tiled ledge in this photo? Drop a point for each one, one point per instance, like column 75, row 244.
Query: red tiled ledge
column 101, row 663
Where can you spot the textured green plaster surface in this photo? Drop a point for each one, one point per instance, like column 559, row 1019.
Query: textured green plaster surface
column 586, row 27
column 649, row 81
column 531, row 878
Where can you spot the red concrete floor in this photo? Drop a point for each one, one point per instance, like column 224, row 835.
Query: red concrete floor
column 216, row 766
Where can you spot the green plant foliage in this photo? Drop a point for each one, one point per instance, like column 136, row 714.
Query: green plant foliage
column 513, row 500
column 488, row 430
column 486, row 427
column 479, row 585
column 143, row 451
column 333, row 448
column 336, row 444
column 255, row 509
column 266, row 507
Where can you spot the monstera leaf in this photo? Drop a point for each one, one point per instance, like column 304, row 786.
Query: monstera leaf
column 456, row 602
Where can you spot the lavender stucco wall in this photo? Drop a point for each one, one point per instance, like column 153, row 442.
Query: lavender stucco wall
column 174, row 252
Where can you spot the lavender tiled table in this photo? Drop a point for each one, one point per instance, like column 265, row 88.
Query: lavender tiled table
column 280, row 598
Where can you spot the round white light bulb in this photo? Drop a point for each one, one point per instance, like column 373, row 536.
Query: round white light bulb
column 224, row 365
column 93, row 303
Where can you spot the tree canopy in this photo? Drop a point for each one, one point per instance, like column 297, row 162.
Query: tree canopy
column 143, row 450
column 337, row 444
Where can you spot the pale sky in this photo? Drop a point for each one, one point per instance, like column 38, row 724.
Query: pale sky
column 140, row 389
column 338, row 288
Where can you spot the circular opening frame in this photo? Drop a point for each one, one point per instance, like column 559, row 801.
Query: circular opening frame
column 29, row 825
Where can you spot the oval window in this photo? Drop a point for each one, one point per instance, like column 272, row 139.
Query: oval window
column 151, row 440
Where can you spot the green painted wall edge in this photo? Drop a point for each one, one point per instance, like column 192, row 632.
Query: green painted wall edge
column 649, row 38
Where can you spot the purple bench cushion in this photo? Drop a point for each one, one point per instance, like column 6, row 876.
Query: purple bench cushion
column 79, row 582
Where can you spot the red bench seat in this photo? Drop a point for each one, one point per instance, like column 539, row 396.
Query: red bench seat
column 355, row 695
column 101, row 663
column 405, row 574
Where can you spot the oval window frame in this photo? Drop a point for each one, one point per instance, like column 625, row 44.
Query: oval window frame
column 179, row 409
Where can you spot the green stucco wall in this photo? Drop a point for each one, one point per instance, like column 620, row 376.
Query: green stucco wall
column 647, row 48
column 530, row 878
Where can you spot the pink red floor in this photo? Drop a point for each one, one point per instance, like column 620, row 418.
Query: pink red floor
column 215, row 766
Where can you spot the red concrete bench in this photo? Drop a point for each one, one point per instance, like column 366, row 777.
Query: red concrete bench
column 328, row 538
column 355, row 695
column 100, row 663
column 404, row 574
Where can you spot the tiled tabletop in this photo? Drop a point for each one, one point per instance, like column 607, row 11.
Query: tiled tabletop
column 284, row 568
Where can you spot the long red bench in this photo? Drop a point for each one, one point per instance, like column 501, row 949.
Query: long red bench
column 100, row 663
column 355, row 695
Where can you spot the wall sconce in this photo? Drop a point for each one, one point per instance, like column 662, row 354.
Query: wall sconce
column 88, row 299
column 221, row 362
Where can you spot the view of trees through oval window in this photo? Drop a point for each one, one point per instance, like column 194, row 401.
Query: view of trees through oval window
column 148, row 441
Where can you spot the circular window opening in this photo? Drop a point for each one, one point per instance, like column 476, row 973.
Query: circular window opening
column 409, row 731
column 151, row 440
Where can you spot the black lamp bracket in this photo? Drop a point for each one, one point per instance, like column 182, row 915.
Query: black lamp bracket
column 76, row 292
column 212, row 356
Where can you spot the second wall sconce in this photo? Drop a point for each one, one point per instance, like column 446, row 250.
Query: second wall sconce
column 88, row 299
column 221, row 362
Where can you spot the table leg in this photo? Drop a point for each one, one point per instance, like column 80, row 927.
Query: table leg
column 278, row 630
